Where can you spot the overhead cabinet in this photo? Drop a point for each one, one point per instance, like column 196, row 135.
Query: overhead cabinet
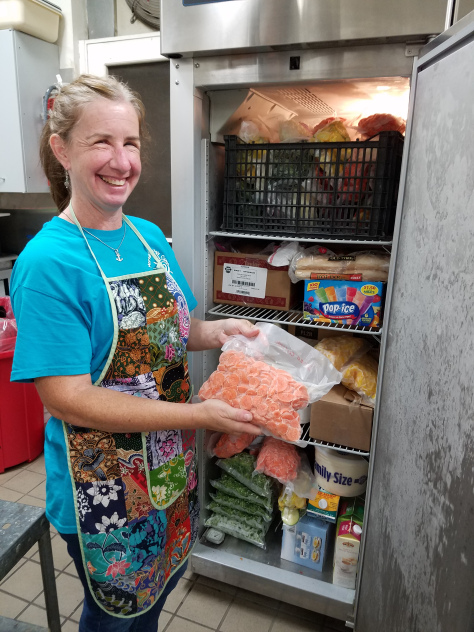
column 29, row 66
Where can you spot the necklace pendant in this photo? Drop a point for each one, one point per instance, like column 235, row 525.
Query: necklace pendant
column 117, row 256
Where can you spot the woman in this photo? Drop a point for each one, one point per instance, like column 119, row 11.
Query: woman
column 103, row 313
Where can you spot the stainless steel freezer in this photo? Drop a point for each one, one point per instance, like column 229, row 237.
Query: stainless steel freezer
column 417, row 564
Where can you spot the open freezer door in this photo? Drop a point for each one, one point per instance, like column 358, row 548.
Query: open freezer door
column 417, row 569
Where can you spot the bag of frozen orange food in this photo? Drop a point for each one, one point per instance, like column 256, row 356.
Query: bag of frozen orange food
column 273, row 375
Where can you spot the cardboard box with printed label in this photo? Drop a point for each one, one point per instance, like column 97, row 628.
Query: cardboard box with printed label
column 348, row 302
column 248, row 279
column 337, row 418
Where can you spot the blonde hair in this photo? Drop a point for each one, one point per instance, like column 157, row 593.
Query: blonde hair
column 67, row 109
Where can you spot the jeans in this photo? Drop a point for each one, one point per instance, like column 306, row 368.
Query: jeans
column 94, row 619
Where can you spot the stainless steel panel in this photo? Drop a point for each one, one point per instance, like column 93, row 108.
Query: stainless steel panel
column 330, row 64
column 460, row 30
column 463, row 8
column 264, row 572
column 418, row 567
column 189, row 118
column 268, row 24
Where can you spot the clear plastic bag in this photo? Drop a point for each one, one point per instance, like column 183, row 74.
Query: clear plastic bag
column 273, row 375
column 292, row 506
column 8, row 326
column 293, row 131
column 256, row 522
column 360, row 376
column 342, row 349
column 254, row 131
column 318, row 260
column 234, row 528
column 228, row 445
column 232, row 487
column 278, row 459
column 242, row 468
column 243, row 505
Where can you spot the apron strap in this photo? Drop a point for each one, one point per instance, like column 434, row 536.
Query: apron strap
column 159, row 265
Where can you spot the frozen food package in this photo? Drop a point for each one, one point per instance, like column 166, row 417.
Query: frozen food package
column 246, row 519
column 278, row 459
column 243, row 505
column 242, row 468
column 341, row 349
column 229, row 444
column 272, row 375
column 319, row 262
column 233, row 527
column 331, row 130
column 254, row 131
column 376, row 123
column 232, row 487
column 360, row 376
column 293, row 131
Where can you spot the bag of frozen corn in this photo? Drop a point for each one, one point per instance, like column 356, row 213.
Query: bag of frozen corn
column 359, row 369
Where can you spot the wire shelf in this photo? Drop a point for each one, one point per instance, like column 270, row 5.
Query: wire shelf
column 292, row 317
column 333, row 446
column 315, row 240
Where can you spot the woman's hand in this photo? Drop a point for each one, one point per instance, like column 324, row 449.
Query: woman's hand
column 212, row 334
column 214, row 414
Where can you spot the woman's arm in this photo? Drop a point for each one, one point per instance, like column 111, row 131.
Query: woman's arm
column 75, row 400
column 212, row 334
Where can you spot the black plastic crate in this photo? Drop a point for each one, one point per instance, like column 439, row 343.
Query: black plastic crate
column 337, row 190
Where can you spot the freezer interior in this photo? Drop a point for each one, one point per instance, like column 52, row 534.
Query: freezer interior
column 235, row 561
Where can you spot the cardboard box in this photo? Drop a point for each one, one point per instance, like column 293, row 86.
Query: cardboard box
column 347, row 548
column 336, row 418
column 348, row 302
column 248, row 279
column 306, row 542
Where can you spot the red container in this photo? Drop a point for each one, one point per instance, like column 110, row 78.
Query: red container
column 21, row 418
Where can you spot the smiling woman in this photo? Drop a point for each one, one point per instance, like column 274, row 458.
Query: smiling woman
column 103, row 167
column 103, row 312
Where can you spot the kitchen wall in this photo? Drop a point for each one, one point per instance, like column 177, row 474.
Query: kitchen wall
column 73, row 28
column 122, row 21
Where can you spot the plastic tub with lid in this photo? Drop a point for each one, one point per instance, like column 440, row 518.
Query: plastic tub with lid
column 38, row 18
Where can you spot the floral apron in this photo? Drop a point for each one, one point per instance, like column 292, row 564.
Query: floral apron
column 136, row 499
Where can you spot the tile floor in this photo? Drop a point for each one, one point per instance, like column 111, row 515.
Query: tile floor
column 198, row 604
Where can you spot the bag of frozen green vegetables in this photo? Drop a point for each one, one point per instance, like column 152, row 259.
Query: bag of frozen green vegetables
column 242, row 466
column 243, row 505
column 243, row 518
column 231, row 526
column 229, row 485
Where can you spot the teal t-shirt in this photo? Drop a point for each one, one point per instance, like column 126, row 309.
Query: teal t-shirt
column 65, row 324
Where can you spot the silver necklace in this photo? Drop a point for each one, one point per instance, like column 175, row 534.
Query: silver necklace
column 116, row 250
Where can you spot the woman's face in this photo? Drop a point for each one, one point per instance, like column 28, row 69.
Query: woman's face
column 103, row 153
